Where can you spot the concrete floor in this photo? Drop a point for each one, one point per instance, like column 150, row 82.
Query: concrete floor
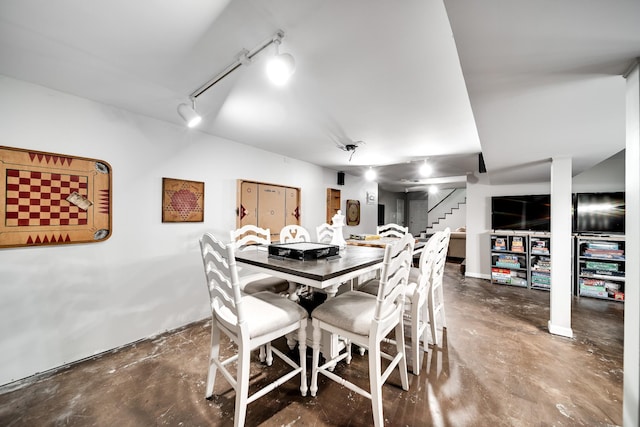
column 498, row 366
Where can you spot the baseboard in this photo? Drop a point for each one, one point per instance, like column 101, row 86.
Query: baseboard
column 478, row 275
column 560, row 330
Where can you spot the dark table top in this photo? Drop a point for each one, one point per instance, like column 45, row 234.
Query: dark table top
column 321, row 273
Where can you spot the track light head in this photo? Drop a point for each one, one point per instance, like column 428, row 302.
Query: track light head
column 281, row 66
column 189, row 114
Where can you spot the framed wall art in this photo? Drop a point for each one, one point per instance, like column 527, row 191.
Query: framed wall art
column 182, row 200
column 53, row 199
column 353, row 212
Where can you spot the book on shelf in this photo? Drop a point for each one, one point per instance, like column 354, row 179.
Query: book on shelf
column 608, row 273
column 593, row 293
column 499, row 244
column 604, row 254
column 603, row 245
column 508, row 264
column 517, row 244
column 606, row 266
column 539, row 246
column 508, row 257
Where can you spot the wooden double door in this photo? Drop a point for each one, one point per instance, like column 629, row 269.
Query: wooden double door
column 268, row 206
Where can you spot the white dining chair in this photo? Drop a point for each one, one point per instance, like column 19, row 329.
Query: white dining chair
column 435, row 300
column 250, row 321
column 391, row 230
column 415, row 302
column 366, row 320
column 324, row 233
column 415, row 295
column 294, row 233
column 244, row 238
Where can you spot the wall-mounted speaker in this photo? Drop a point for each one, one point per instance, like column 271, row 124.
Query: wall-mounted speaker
column 481, row 167
column 340, row 178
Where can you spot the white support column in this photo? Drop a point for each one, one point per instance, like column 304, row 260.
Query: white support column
column 631, row 379
column 561, row 295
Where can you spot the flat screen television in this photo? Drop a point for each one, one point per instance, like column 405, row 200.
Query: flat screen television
column 521, row 213
column 599, row 213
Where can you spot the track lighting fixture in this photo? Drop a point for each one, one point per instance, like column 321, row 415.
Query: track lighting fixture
column 189, row 114
column 279, row 70
column 281, row 66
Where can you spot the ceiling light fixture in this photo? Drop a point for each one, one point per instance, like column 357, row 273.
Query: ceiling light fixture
column 433, row 189
column 279, row 74
column 281, row 66
column 189, row 114
column 370, row 174
column 425, row 169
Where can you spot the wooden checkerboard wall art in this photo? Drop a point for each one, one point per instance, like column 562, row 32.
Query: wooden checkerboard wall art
column 53, row 199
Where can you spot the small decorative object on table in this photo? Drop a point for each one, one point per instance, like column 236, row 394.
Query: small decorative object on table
column 337, row 224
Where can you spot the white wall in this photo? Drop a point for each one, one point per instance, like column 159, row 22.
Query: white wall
column 390, row 201
column 59, row 304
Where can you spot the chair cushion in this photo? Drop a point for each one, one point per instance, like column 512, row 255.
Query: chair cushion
column 268, row 312
column 352, row 311
column 259, row 282
column 371, row 287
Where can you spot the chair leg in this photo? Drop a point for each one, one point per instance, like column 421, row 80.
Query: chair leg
column 214, row 355
column 416, row 360
column 432, row 319
column 242, row 385
column 441, row 307
column 317, row 333
column 269, row 357
column 375, row 383
column 291, row 341
column 302, row 347
column 400, row 348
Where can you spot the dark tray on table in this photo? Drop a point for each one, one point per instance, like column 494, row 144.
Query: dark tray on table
column 303, row 251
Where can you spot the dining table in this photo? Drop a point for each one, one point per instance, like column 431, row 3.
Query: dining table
column 325, row 274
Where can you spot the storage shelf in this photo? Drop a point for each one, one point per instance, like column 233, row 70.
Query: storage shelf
column 600, row 254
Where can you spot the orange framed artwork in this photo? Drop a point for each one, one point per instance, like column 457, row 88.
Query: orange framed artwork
column 53, row 199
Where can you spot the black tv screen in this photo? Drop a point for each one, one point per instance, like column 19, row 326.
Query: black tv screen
column 599, row 213
column 521, row 213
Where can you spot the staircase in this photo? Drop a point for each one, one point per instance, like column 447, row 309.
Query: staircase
column 450, row 211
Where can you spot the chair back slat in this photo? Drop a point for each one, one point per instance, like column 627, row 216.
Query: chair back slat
column 441, row 256
column 427, row 261
column 394, row 276
column 222, row 280
column 294, row 233
column 324, row 233
column 250, row 235
column 391, row 230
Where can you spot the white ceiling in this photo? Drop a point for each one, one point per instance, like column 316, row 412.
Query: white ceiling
column 519, row 81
